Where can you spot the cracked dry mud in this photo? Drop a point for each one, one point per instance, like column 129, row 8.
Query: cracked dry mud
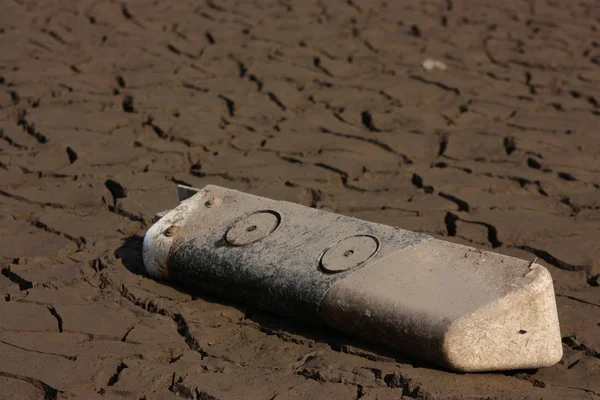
column 106, row 105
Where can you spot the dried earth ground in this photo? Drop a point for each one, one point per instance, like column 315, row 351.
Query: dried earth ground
column 106, row 105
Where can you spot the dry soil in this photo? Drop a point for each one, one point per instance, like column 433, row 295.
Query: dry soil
column 106, row 105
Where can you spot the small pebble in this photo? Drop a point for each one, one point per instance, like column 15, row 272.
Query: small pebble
column 431, row 64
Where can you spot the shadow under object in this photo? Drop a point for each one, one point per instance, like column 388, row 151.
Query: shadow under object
column 453, row 305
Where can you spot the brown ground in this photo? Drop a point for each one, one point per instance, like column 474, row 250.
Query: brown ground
column 104, row 106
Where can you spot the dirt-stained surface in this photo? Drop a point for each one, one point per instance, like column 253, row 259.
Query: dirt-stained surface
column 105, row 106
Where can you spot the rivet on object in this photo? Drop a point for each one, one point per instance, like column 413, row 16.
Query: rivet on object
column 213, row 202
column 171, row 231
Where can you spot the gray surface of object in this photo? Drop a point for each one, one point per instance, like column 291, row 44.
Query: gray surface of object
column 274, row 254
column 463, row 308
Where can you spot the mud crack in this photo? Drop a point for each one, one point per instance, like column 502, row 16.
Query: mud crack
column 550, row 259
column 23, row 283
column 409, row 389
column 435, row 83
column 492, row 234
column 56, row 315
column 49, row 392
column 115, row 377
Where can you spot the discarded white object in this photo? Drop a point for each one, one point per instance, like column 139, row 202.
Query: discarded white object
column 430, row 64
column 459, row 307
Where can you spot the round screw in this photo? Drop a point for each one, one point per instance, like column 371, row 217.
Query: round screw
column 171, row 231
column 213, row 202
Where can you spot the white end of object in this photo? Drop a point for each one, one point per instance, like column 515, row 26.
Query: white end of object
column 520, row 330
column 467, row 309
column 160, row 237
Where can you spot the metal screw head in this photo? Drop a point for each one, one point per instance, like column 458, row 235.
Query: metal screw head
column 349, row 253
column 252, row 228
column 171, row 231
column 213, row 202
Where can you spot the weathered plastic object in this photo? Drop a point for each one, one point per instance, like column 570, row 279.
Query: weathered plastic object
column 459, row 307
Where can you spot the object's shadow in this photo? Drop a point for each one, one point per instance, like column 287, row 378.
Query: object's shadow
column 130, row 254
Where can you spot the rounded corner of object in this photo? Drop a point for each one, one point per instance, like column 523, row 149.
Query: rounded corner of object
column 540, row 277
column 554, row 355
column 209, row 188
column 155, row 250
column 161, row 236
column 454, row 358
column 518, row 331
